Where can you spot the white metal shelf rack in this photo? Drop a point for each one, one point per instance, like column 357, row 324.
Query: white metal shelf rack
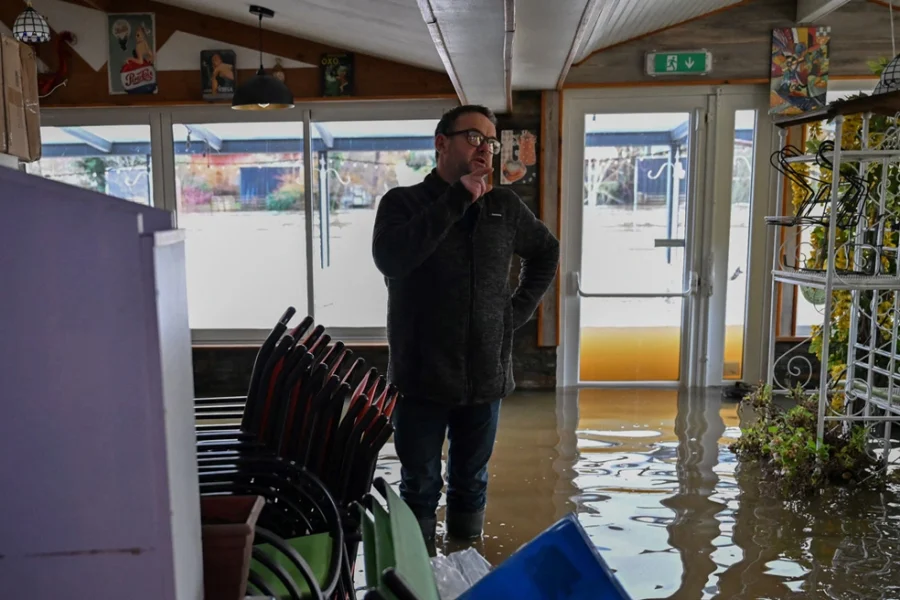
column 860, row 259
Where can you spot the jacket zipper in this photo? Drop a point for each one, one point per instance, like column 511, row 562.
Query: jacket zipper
column 472, row 278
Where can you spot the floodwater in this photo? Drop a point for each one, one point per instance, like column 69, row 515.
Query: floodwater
column 652, row 480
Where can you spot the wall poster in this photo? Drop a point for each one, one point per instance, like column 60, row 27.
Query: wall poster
column 518, row 157
column 217, row 68
column 337, row 76
column 132, row 53
column 799, row 74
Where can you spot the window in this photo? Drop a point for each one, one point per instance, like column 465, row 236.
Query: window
column 355, row 163
column 236, row 183
column 240, row 197
column 808, row 308
column 110, row 159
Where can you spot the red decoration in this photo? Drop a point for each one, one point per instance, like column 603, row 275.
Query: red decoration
column 49, row 82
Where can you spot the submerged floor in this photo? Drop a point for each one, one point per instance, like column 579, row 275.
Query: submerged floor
column 651, row 478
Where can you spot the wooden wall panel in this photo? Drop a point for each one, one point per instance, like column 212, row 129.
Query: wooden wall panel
column 548, row 311
column 740, row 40
column 534, row 360
column 375, row 77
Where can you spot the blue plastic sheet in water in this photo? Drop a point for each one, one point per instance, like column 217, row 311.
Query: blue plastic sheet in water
column 559, row 564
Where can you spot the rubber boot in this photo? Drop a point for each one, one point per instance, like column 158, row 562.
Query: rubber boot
column 428, row 525
column 465, row 526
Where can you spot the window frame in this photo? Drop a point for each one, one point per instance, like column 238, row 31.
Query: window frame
column 111, row 117
column 161, row 120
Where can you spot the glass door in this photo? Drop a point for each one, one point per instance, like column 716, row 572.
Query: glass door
column 633, row 284
column 738, row 241
column 659, row 204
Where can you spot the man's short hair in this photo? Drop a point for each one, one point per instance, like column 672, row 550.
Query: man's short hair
column 448, row 121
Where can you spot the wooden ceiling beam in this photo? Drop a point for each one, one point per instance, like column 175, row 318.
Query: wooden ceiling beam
column 810, row 11
column 437, row 37
column 589, row 17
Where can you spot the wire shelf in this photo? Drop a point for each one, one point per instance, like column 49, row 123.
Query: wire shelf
column 841, row 281
column 843, row 239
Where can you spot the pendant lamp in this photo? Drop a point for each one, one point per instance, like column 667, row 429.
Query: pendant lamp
column 890, row 78
column 262, row 91
column 31, row 27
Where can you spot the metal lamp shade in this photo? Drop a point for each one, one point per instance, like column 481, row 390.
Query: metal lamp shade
column 30, row 27
column 262, row 92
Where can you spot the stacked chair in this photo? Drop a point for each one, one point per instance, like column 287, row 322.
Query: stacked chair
column 396, row 558
column 306, row 438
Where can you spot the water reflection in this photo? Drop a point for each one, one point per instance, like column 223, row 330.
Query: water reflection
column 652, row 480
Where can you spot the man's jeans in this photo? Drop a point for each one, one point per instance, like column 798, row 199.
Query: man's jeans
column 419, row 430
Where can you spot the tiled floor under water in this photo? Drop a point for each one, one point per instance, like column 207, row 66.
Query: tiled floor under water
column 651, row 478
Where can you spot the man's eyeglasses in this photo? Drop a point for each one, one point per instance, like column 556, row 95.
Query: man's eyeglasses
column 476, row 138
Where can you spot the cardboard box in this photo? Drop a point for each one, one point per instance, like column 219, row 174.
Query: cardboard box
column 32, row 101
column 14, row 97
column 22, row 132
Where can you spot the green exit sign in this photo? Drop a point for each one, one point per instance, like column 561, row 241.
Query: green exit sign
column 684, row 62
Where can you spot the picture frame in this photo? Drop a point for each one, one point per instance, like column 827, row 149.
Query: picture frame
column 132, row 53
column 218, row 74
column 518, row 156
column 337, row 75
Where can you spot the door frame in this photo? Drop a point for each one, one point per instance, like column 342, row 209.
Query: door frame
column 712, row 109
column 763, row 197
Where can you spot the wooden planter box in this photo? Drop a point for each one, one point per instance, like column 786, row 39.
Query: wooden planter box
column 228, row 524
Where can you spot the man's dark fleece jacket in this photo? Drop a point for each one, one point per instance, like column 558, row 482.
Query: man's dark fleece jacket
column 451, row 313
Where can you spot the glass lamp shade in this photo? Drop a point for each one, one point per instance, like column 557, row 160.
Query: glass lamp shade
column 890, row 78
column 262, row 92
column 30, row 27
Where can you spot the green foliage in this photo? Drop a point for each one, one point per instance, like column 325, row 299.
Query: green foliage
column 878, row 65
column 783, row 442
column 95, row 169
column 281, row 200
column 288, row 196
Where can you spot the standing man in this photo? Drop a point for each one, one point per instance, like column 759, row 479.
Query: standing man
column 445, row 247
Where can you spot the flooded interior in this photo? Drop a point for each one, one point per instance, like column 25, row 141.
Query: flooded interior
column 651, row 478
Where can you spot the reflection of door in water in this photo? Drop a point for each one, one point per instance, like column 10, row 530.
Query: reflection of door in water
column 634, row 224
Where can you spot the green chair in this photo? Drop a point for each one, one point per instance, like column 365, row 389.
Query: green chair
column 278, row 568
column 395, row 556
column 315, row 552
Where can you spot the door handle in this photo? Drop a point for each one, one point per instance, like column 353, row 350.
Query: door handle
column 668, row 243
column 691, row 289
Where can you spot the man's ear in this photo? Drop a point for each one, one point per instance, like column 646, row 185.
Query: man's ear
column 440, row 143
